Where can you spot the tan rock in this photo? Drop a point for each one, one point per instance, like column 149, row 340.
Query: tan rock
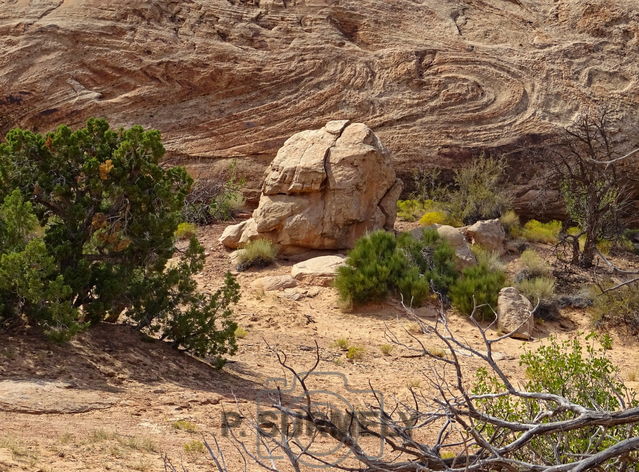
column 489, row 234
column 514, row 313
column 274, row 283
column 232, row 234
column 325, row 189
column 464, row 257
column 317, row 271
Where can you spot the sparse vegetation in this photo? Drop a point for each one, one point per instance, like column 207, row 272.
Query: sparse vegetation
column 185, row 425
column 355, row 353
column 210, row 201
column 342, row 343
column 241, row 332
column 257, row 253
column 619, row 307
column 533, row 265
column 194, row 447
column 386, row 349
column 490, row 259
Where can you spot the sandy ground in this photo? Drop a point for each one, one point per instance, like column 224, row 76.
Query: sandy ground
column 111, row 401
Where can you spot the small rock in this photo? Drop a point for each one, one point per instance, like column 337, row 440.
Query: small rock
column 274, row 283
column 488, row 234
column 317, row 271
column 514, row 313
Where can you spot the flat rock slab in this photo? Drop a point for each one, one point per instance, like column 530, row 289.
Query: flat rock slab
column 45, row 397
column 274, row 283
column 317, row 271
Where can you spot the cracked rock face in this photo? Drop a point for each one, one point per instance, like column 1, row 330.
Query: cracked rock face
column 325, row 189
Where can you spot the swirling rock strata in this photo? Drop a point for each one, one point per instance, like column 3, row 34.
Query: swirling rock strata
column 325, row 189
column 439, row 81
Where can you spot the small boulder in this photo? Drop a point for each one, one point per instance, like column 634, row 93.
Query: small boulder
column 231, row 236
column 514, row 313
column 489, row 234
column 464, row 257
column 317, row 271
column 274, row 283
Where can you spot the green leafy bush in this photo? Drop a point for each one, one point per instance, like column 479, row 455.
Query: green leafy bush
column 376, row 267
column 490, row 259
column 478, row 285
column 107, row 212
column 186, row 231
column 537, row 231
column 584, row 376
column 257, row 253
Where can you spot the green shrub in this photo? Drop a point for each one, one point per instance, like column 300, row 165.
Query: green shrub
column 534, row 265
column 584, row 376
column 375, row 268
column 30, row 284
column 433, row 257
column 478, row 285
column 479, row 193
column 490, row 259
column 107, row 213
column 537, row 231
column 510, row 221
column 537, row 289
column 386, row 349
column 257, row 253
column 186, row 231
column 618, row 307
column 342, row 343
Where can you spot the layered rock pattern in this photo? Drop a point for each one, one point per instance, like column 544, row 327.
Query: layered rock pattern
column 439, row 81
column 324, row 190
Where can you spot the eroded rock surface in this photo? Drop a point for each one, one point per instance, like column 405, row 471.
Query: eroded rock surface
column 324, row 190
column 318, row 270
column 514, row 314
column 439, row 82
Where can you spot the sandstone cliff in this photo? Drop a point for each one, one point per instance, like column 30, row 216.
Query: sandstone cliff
column 437, row 80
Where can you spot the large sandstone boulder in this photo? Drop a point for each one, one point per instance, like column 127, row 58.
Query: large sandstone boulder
column 464, row 257
column 514, row 313
column 318, row 270
column 489, row 234
column 324, row 190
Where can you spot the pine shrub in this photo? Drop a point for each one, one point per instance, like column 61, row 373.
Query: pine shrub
column 477, row 285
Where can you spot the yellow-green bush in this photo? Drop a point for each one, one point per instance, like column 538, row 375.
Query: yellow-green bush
column 537, row 231
column 510, row 221
column 257, row 253
column 185, row 231
column 537, row 289
column 412, row 210
column 434, row 217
